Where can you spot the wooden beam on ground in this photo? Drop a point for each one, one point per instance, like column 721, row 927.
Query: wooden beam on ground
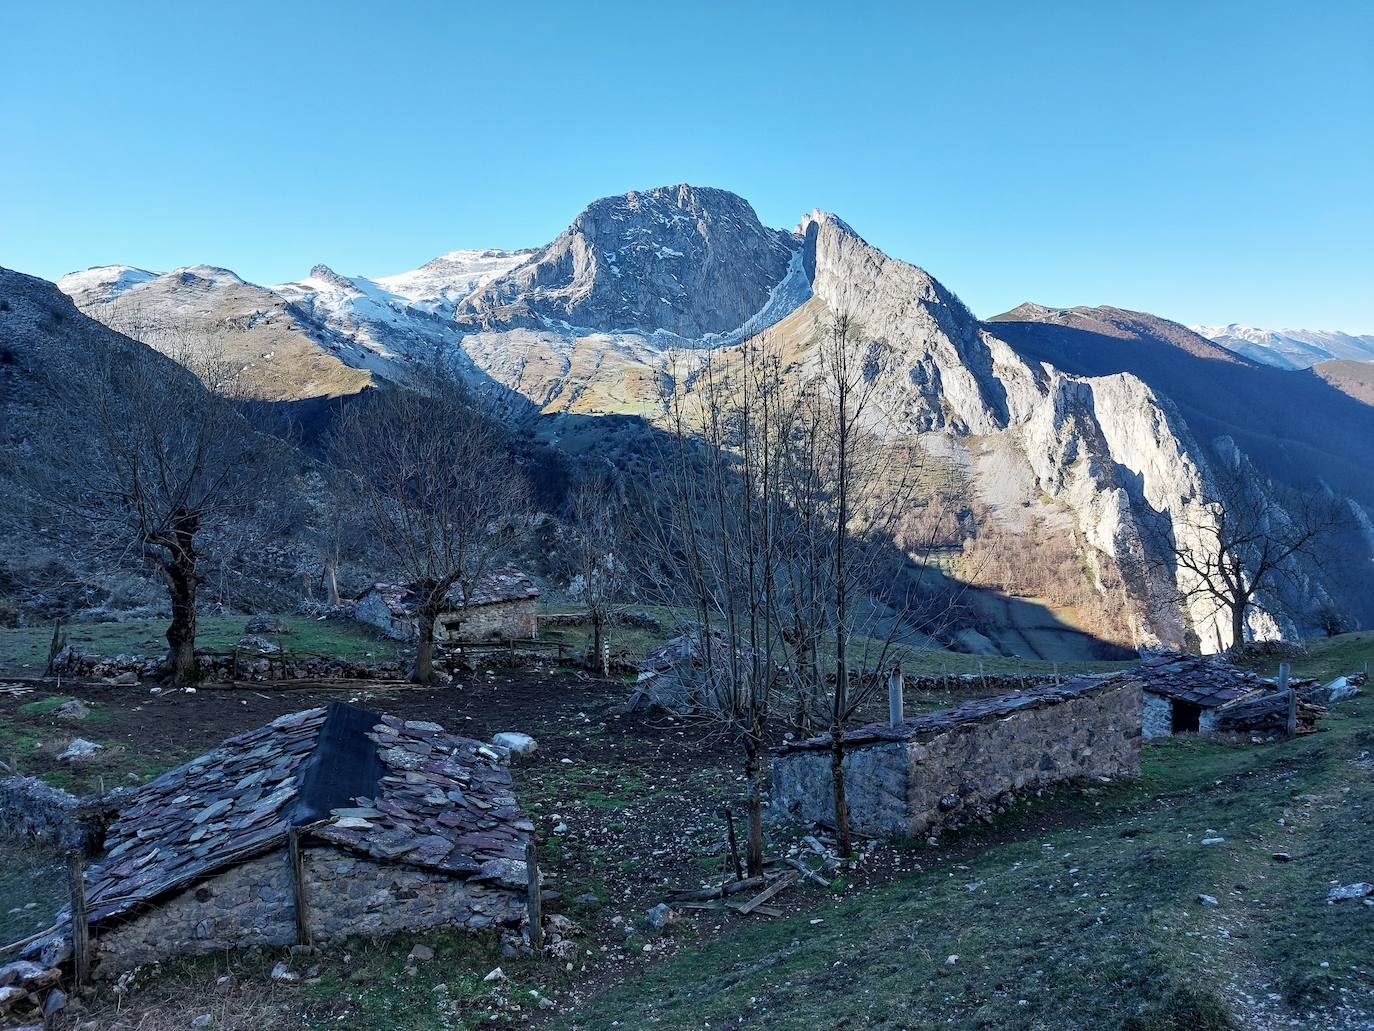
column 783, row 882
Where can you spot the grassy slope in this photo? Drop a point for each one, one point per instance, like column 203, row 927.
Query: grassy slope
column 24, row 650
column 1094, row 926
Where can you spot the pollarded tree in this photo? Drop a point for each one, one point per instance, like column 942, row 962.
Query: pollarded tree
column 431, row 475
column 168, row 471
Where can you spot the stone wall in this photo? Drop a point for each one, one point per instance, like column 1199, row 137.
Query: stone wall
column 1157, row 718
column 913, row 788
column 501, row 620
column 253, row 904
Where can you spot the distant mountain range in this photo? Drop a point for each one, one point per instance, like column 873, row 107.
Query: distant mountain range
column 1291, row 348
column 1096, row 418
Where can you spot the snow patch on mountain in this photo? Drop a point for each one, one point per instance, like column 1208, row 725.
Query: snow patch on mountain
column 1291, row 348
column 104, row 282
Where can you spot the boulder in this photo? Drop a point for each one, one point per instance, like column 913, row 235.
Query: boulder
column 80, row 749
column 261, row 624
column 127, row 679
column 519, row 745
column 661, row 916
column 254, row 642
column 75, row 709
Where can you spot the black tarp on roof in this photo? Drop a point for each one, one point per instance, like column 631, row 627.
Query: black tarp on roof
column 343, row 766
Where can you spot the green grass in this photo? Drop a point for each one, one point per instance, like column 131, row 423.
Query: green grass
column 1092, row 926
column 1327, row 657
column 24, row 650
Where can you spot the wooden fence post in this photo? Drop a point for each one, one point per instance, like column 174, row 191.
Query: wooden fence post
column 293, row 847
column 894, row 696
column 81, row 928
column 1292, row 700
column 536, row 909
column 734, row 846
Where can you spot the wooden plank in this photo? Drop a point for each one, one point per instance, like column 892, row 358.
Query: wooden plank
column 785, row 881
column 756, row 911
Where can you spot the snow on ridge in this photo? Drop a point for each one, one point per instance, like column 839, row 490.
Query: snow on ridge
column 104, row 282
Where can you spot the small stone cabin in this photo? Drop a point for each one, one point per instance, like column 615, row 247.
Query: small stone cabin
column 401, row 827
column 1194, row 694
column 942, row 769
column 502, row 608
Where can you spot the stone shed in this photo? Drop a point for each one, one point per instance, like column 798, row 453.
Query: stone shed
column 398, row 826
column 1206, row 694
column 945, row 768
column 502, row 607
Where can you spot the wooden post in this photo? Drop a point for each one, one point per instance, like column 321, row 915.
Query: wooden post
column 81, row 928
column 1292, row 700
column 734, row 846
column 293, row 847
column 510, row 642
column 605, row 658
column 536, row 909
column 1056, row 673
column 982, row 677
column 894, row 696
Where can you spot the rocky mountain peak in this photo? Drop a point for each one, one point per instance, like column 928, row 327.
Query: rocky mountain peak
column 688, row 260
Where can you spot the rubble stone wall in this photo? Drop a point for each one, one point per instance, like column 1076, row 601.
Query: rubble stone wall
column 503, row 620
column 253, row 904
column 910, row 789
column 1156, row 717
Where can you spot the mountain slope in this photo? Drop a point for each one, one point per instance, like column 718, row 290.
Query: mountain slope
column 284, row 354
column 1291, row 348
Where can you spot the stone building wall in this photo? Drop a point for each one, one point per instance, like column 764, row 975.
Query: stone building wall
column 253, row 904
column 1157, row 718
column 912, row 788
column 503, row 620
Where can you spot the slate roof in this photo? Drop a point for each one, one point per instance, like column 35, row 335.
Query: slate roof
column 503, row 585
column 443, row 802
column 977, row 710
column 1205, row 680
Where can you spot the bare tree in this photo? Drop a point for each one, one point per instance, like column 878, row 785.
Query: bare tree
column 1242, row 544
column 597, row 567
column 712, row 527
column 431, row 474
column 168, row 473
column 848, row 490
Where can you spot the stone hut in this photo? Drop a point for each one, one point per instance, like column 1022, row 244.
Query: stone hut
column 502, row 607
column 398, row 826
column 946, row 768
column 1206, row 694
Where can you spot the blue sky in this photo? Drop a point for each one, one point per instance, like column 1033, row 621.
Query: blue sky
column 1205, row 161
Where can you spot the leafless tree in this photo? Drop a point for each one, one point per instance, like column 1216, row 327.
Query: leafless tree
column 712, row 526
column 431, row 474
column 597, row 565
column 168, row 469
column 1243, row 544
column 849, row 487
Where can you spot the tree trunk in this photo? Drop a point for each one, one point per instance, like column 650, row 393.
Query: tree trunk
column 1237, row 625
column 331, row 581
column 843, row 842
column 181, row 632
column 752, row 772
column 424, row 653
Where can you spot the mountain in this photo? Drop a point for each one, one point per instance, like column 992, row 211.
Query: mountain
column 283, row 353
column 1050, row 427
column 678, row 259
column 1291, row 348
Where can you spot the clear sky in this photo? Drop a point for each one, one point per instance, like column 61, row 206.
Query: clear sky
column 1207, row 161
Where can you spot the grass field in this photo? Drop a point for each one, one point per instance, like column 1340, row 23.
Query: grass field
column 1097, row 925
column 24, row 650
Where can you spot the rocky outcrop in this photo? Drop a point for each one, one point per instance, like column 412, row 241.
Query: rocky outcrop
column 683, row 259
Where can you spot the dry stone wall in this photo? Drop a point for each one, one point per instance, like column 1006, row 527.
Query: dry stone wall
column 908, row 788
column 252, row 904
